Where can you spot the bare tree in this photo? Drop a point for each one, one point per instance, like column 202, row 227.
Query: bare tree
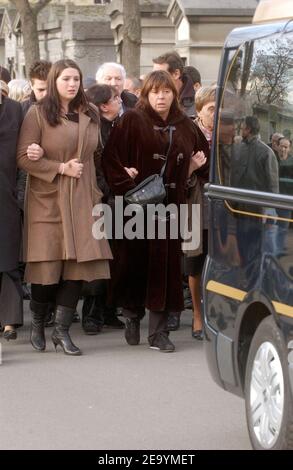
column 130, row 56
column 272, row 73
column 28, row 16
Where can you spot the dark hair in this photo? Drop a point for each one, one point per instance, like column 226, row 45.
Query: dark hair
column 100, row 94
column 284, row 138
column 173, row 60
column 4, row 74
column 193, row 73
column 253, row 123
column 136, row 82
column 39, row 70
column 155, row 81
column 51, row 104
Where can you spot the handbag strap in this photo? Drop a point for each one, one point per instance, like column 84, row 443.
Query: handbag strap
column 171, row 129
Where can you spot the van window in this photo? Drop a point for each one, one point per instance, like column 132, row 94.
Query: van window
column 257, row 102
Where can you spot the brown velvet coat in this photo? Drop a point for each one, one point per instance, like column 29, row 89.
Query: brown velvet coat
column 58, row 209
column 148, row 272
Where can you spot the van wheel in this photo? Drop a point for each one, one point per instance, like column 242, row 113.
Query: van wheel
column 268, row 399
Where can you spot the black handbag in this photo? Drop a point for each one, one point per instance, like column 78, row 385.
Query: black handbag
column 152, row 189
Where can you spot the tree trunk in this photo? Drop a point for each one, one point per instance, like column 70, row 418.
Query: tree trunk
column 30, row 38
column 130, row 56
column 28, row 17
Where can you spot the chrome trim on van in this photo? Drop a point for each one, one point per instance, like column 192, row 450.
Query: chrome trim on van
column 248, row 196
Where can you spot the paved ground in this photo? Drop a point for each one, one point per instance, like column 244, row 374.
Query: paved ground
column 115, row 396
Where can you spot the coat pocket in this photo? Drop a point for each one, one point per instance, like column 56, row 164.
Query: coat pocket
column 43, row 206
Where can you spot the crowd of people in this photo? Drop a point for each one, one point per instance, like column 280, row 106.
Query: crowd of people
column 67, row 145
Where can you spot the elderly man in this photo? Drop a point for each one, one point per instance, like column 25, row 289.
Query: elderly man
column 112, row 73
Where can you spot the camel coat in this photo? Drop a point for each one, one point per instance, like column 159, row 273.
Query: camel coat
column 58, row 208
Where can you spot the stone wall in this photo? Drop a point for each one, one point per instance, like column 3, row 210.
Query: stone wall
column 79, row 31
column 92, row 34
column 201, row 28
column 158, row 33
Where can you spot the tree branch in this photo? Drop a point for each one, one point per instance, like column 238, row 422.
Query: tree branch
column 39, row 6
column 21, row 5
column 25, row 5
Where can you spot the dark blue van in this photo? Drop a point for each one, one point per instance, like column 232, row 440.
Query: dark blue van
column 248, row 276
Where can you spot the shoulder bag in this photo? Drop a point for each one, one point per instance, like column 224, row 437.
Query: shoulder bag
column 152, row 189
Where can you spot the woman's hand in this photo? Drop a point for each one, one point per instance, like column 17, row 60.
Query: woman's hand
column 198, row 159
column 132, row 172
column 34, row 152
column 72, row 168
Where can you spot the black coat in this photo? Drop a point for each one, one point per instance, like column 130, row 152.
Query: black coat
column 187, row 97
column 10, row 227
column 129, row 100
column 26, row 104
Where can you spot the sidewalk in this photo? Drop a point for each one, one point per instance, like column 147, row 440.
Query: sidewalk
column 115, row 396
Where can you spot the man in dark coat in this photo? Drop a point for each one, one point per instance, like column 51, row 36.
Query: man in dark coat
column 10, row 226
column 171, row 62
column 38, row 74
column 255, row 165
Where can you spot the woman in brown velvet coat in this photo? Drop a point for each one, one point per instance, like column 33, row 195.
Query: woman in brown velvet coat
column 147, row 273
column 59, row 247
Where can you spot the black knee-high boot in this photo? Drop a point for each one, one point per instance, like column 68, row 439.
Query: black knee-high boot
column 60, row 335
column 39, row 313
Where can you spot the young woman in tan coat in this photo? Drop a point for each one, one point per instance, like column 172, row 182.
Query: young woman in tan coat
column 60, row 250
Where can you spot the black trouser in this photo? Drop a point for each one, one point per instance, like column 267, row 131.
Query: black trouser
column 66, row 293
column 158, row 321
column 11, row 303
column 95, row 307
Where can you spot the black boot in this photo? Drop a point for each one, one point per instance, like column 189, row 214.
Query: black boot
column 92, row 317
column 60, row 335
column 132, row 331
column 110, row 318
column 39, row 314
column 173, row 321
column 132, row 325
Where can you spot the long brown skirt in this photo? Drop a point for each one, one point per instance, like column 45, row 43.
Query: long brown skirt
column 50, row 272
